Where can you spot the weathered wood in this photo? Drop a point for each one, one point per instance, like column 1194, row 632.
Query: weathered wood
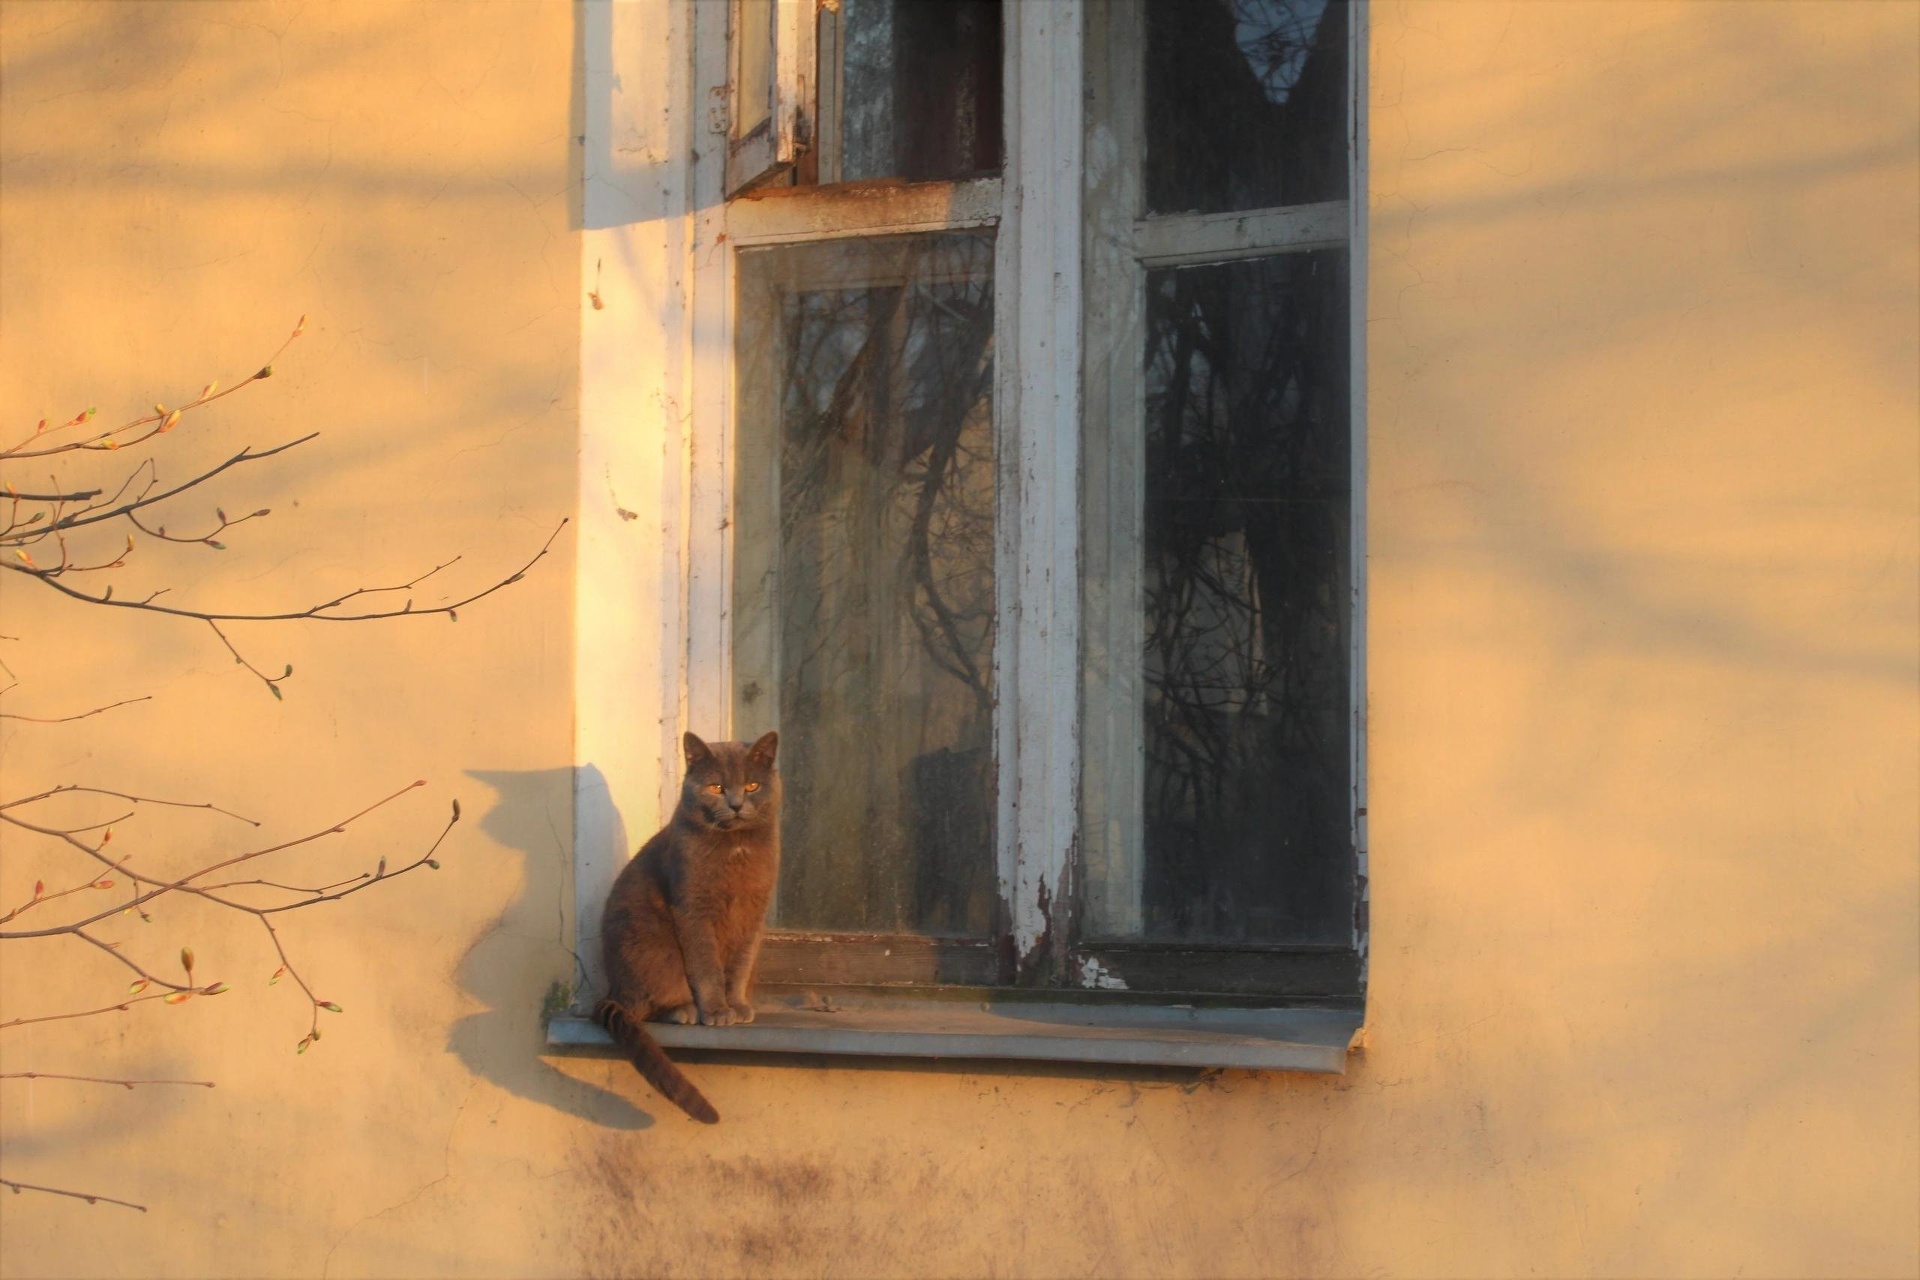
column 795, row 79
column 1176, row 239
column 1038, row 400
column 880, row 960
column 1282, row 973
column 706, row 549
column 785, row 214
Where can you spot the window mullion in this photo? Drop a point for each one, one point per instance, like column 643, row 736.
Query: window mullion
column 1180, row 239
column 812, row 213
column 1039, row 314
column 706, row 539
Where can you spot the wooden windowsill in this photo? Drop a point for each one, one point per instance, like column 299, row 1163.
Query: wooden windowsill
column 1315, row 1040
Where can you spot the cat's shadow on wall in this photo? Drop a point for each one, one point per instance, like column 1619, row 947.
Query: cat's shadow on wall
column 516, row 959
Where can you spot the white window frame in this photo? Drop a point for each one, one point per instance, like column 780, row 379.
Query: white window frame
column 653, row 629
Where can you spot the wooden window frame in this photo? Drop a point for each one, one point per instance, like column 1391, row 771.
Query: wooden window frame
column 774, row 145
column 657, row 419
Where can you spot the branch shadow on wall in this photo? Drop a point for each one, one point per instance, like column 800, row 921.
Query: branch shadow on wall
column 511, row 966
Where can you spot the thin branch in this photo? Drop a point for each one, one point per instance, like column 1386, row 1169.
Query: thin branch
column 424, row 860
column 81, row 495
column 53, row 1075
column 160, row 531
column 74, row 789
column 147, row 978
column 166, row 419
column 90, row 1198
column 124, row 702
column 314, row 613
column 40, row 898
column 292, row 888
column 94, row 826
column 97, row 515
column 186, row 882
column 272, row 685
column 121, row 1007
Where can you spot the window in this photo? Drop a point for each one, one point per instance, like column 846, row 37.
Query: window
column 1021, row 501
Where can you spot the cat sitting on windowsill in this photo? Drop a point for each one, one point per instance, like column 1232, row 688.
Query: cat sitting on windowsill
column 683, row 922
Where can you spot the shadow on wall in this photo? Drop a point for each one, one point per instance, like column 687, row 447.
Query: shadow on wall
column 504, row 1042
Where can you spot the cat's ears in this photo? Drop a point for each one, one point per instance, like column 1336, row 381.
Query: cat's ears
column 762, row 751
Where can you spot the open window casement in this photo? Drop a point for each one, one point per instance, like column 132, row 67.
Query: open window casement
column 771, row 109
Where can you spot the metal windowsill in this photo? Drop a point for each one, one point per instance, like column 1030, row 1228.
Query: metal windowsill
column 1315, row 1040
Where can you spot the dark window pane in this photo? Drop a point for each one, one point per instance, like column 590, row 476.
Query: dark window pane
column 1244, row 583
column 863, row 617
column 920, row 89
column 1245, row 104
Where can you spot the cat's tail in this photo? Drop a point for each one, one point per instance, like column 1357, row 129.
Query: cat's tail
column 653, row 1063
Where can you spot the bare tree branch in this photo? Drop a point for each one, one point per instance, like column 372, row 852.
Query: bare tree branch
column 124, row 702
column 40, row 522
column 77, row 790
column 88, row 1196
column 128, row 1084
column 312, row 613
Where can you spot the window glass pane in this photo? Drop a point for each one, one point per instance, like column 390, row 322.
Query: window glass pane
column 753, row 70
column 1238, row 724
column 1245, row 104
column 920, row 89
column 864, row 543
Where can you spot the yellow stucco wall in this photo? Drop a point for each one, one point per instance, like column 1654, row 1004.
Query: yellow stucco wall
column 1644, row 343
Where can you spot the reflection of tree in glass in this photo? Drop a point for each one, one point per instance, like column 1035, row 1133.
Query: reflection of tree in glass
column 1275, row 36
column 886, row 588
column 921, row 88
column 1245, row 103
column 1244, row 585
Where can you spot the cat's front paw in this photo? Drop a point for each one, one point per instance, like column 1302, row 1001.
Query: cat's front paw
column 742, row 1011
column 684, row 1014
column 721, row 1017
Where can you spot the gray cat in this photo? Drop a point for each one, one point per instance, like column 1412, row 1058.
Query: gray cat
column 683, row 922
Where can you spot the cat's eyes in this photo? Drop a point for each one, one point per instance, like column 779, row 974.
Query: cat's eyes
column 714, row 787
column 753, row 786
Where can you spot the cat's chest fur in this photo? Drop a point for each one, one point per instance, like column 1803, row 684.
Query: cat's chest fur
column 730, row 883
